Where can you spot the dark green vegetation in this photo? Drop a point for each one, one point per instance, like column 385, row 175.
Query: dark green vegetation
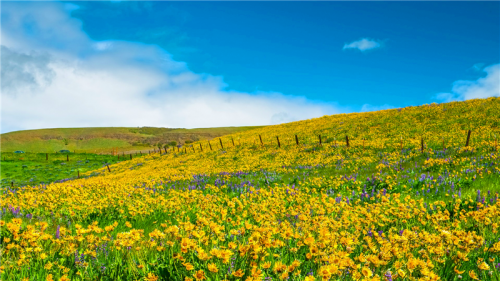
column 33, row 168
column 98, row 140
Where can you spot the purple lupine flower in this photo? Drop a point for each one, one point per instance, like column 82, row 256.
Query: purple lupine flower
column 401, row 232
column 370, row 233
column 388, row 275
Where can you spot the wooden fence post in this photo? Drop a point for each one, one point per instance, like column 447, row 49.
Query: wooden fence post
column 221, row 143
column 130, row 156
column 67, row 157
column 109, row 170
column 320, row 139
column 279, row 145
column 46, row 157
column 422, row 145
column 296, row 140
column 185, row 150
column 210, row 145
column 347, row 141
column 11, row 184
column 468, row 137
column 261, row 143
column 193, row 148
column 232, row 141
column 201, row 147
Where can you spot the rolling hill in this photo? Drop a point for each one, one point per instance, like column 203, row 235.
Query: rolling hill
column 103, row 139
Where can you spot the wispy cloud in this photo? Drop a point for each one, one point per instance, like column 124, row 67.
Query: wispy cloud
column 363, row 44
column 368, row 107
column 484, row 87
column 54, row 75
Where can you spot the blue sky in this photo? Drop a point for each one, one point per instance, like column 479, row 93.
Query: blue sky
column 315, row 58
column 297, row 47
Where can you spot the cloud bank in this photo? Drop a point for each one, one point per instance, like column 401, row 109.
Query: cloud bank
column 484, row 87
column 54, row 75
column 363, row 45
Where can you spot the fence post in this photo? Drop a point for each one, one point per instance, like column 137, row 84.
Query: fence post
column 67, row 157
column 279, row 145
column 221, row 143
column 201, row 147
column 468, row 137
column 422, row 144
column 118, row 157
column 320, row 139
column 131, row 156
column 11, row 184
column 46, row 157
column 347, row 141
column 232, row 141
column 296, row 140
column 193, row 148
column 185, row 150
column 109, row 170
column 209, row 144
column 261, row 143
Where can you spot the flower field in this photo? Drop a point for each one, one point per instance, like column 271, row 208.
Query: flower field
column 387, row 195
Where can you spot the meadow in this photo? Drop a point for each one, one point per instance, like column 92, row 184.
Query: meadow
column 396, row 194
column 43, row 168
column 105, row 139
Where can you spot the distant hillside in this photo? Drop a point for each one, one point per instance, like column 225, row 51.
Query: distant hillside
column 105, row 138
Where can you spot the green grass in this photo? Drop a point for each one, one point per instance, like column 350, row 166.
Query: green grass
column 33, row 168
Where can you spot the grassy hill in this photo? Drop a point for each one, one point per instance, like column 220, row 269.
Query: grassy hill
column 105, row 138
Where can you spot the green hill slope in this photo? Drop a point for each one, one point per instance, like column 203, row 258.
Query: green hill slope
column 105, row 138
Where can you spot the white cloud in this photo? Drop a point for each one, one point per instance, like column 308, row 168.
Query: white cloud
column 101, row 46
column 54, row 75
column 368, row 107
column 363, row 44
column 484, row 87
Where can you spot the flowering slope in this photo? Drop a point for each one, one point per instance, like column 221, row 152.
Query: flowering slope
column 401, row 198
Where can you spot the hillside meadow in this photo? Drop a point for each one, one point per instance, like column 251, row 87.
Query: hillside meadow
column 389, row 195
column 105, row 139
